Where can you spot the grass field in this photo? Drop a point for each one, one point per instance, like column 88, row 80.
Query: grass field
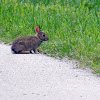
column 72, row 25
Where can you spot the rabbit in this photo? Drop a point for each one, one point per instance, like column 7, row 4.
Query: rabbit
column 26, row 45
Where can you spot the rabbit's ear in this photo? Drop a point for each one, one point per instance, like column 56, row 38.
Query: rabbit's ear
column 37, row 29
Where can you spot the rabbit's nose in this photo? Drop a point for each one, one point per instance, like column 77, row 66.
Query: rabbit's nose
column 46, row 39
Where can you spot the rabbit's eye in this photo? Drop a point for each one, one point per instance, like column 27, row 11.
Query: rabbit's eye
column 43, row 35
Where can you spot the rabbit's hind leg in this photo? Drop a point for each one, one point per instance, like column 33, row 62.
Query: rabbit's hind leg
column 23, row 52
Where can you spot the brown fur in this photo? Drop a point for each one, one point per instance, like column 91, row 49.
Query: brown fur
column 23, row 44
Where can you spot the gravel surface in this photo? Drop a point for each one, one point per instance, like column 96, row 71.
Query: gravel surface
column 39, row 77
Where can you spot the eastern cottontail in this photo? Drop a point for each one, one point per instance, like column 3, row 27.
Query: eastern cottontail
column 24, row 44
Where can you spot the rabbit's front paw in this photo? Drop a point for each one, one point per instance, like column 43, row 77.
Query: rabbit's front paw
column 32, row 51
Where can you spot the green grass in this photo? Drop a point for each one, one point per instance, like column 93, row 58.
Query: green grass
column 72, row 25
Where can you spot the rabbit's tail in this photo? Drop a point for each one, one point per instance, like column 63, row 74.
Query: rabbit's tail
column 14, row 51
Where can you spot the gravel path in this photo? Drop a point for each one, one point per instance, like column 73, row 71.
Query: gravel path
column 38, row 77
